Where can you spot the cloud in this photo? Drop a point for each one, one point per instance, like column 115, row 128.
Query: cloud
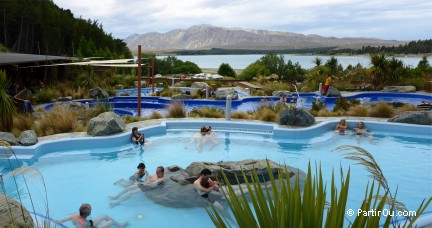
column 397, row 19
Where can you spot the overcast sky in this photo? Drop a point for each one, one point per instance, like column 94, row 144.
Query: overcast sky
column 386, row 19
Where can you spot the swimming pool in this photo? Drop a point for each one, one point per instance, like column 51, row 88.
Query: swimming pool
column 83, row 170
column 127, row 105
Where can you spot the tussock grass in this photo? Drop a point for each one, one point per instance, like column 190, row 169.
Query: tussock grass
column 59, row 120
column 210, row 112
column 265, row 114
column 155, row 115
column 176, row 110
column 407, row 107
column 44, row 95
column 240, row 115
column 382, row 110
column 358, row 110
column 269, row 87
column 23, row 122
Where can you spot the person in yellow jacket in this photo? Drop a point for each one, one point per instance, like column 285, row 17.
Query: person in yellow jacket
column 327, row 84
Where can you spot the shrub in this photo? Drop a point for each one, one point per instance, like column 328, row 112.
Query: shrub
column 176, row 110
column 210, row 112
column 59, row 120
column 383, row 110
column 318, row 105
column 169, row 92
column 44, row 95
column 85, row 116
column 258, row 93
column 341, row 104
column 269, row 87
column 358, row 110
column 240, row 115
column 131, row 119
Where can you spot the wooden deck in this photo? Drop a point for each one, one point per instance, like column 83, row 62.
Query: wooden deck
column 249, row 85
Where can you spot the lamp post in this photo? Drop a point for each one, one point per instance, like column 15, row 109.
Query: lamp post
column 139, row 81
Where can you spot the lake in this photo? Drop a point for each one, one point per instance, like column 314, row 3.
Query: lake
column 242, row 61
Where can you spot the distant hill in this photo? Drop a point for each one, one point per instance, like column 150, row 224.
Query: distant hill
column 204, row 37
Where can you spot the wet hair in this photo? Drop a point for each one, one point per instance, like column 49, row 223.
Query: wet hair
column 134, row 128
column 205, row 172
column 161, row 168
column 85, row 209
column 141, row 165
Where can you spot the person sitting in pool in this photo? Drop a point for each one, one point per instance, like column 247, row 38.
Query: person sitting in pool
column 137, row 137
column 80, row 220
column 137, row 177
column 204, row 184
column 197, row 137
column 208, row 137
column 342, row 126
column 360, row 130
column 151, row 182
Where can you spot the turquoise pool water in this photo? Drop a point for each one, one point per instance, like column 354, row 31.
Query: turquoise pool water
column 74, row 176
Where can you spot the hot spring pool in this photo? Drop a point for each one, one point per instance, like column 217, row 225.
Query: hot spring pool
column 77, row 171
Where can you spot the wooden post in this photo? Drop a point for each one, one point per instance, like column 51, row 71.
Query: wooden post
column 139, row 81
column 153, row 74
column 148, row 74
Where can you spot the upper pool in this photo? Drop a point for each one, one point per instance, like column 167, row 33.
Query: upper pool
column 127, row 105
column 84, row 169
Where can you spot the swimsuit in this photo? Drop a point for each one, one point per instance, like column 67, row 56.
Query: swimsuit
column 136, row 177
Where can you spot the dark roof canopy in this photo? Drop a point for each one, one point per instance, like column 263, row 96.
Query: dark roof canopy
column 17, row 58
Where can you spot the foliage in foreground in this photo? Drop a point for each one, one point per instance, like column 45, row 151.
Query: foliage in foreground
column 282, row 204
column 7, row 106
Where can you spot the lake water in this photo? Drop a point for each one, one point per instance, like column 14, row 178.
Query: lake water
column 306, row 61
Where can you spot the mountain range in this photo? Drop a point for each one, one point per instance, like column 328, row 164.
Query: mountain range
column 204, row 37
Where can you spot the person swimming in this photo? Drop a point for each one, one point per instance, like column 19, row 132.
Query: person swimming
column 360, row 130
column 342, row 126
column 136, row 177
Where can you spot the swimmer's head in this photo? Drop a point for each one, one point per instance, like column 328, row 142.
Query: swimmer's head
column 342, row 121
column 134, row 129
column 160, row 171
column 360, row 124
column 141, row 166
column 205, row 173
column 85, row 210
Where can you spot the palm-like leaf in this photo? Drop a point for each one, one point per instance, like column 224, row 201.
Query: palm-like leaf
column 7, row 105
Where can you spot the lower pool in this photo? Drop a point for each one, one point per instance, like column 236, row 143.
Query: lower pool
column 75, row 174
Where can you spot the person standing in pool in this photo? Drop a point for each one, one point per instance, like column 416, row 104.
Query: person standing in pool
column 80, row 220
column 208, row 137
column 137, row 137
column 197, row 137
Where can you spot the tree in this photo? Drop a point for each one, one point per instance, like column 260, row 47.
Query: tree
column 226, row 70
column 424, row 63
column 275, row 64
column 379, row 65
column 254, row 70
column 332, row 64
column 317, row 61
column 7, row 105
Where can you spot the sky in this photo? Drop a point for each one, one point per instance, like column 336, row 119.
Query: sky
column 386, row 19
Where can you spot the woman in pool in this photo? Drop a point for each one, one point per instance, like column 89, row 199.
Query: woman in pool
column 197, row 137
column 342, row 126
column 360, row 130
column 208, row 137
column 151, row 182
column 80, row 220
column 137, row 137
column 137, row 177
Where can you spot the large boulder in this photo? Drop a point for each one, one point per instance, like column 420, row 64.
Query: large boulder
column 13, row 214
column 9, row 138
column 106, row 123
column 234, row 168
column 333, row 92
column 281, row 93
column 399, row 89
column 181, row 96
column 222, row 93
column 28, row 138
column 178, row 191
column 98, row 93
column 296, row 117
column 199, row 85
column 413, row 117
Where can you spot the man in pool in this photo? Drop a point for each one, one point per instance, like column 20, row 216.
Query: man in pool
column 80, row 220
column 137, row 137
column 360, row 130
column 151, row 182
column 197, row 137
column 208, row 136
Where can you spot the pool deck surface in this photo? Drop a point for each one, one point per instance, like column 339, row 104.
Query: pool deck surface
column 155, row 122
